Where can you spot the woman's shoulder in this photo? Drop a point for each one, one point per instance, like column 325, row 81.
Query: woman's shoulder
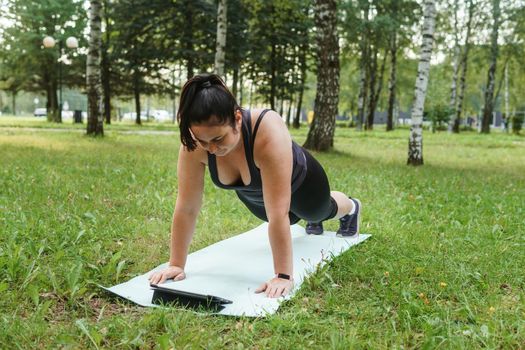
column 197, row 155
column 272, row 133
column 269, row 114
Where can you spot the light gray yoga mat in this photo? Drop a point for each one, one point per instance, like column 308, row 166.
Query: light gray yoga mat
column 233, row 268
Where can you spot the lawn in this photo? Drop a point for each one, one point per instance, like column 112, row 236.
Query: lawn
column 443, row 269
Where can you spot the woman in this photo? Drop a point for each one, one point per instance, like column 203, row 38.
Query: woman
column 252, row 153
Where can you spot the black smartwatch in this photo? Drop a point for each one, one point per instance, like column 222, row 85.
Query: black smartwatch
column 284, row 276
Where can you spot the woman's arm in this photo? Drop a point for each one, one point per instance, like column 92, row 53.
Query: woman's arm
column 273, row 156
column 190, row 173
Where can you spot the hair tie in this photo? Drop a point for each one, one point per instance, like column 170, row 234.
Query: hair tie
column 206, row 84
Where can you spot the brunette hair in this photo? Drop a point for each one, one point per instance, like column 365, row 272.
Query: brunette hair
column 203, row 98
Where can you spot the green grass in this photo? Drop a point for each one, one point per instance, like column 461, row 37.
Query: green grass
column 443, row 269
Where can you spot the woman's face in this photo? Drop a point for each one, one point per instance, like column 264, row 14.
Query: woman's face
column 218, row 139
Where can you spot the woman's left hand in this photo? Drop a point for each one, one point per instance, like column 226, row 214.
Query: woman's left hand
column 276, row 287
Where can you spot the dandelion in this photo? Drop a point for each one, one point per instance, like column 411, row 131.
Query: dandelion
column 387, row 273
column 492, row 309
column 442, row 284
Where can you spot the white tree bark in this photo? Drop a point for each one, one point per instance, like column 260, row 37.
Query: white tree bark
column 454, row 83
column 220, row 46
column 464, row 64
column 415, row 143
column 488, row 107
column 93, row 72
column 321, row 134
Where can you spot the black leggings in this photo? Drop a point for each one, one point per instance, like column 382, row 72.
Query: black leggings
column 311, row 201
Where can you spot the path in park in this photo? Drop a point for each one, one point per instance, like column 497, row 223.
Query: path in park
column 131, row 132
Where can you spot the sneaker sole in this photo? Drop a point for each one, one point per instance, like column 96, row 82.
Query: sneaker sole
column 358, row 221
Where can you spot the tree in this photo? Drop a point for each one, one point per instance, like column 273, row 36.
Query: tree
column 36, row 68
column 415, row 143
column 491, row 74
column 321, row 134
column 222, row 10
column 95, row 124
column 276, row 33
column 463, row 64
column 456, row 64
column 401, row 16
column 106, row 63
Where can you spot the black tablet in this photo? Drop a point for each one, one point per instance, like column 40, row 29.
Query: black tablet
column 163, row 296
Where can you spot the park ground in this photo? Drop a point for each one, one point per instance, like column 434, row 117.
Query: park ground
column 443, row 268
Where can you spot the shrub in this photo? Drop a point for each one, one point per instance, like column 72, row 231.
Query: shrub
column 517, row 123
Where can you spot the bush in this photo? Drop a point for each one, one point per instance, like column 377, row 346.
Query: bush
column 517, row 123
column 439, row 115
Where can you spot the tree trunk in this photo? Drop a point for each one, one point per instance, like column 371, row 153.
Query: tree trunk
column 453, row 84
column 106, row 69
column 363, row 73
column 371, row 72
column 507, row 116
column 95, row 124
column 491, row 75
column 221, row 37
column 273, row 69
column 302, row 80
column 13, row 101
column 415, row 143
column 188, row 40
column 289, row 113
column 297, row 118
column 375, row 92
column 321, row 134
column 136, row 93
column 392, row 83
column 235, row 82
column 241, row 89
column 464, row 63
column 52, row 100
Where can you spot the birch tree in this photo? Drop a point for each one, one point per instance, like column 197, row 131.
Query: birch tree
column 464, row 62
column 95, row 124
column 415, row 143
column 321, row 133
column 491, row 74
column 456, row 60
column 221, row 37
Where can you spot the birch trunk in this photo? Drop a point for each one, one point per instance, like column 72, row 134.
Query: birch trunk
column 221, row 37
column 491, row 75
column 453, row 85
column 95, row 125
column 464, row 63
column 321, row 133
column 392, row 83
column 363, row 78
column 415, row 143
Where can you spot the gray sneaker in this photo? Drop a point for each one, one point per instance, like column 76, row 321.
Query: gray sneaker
column 349, row 224
column 314, row 228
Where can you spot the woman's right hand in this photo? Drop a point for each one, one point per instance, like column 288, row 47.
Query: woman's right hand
column 161, row 276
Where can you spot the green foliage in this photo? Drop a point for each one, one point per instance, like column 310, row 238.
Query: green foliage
column 279, row 38
column 444, row 266
column 439, row 115
column 517, row 123
column 25, row 64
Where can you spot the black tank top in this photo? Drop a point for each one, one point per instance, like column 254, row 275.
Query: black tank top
column 253, row 191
